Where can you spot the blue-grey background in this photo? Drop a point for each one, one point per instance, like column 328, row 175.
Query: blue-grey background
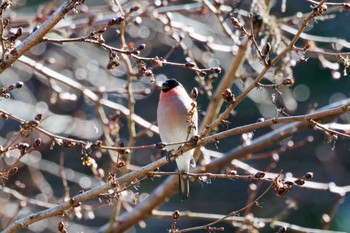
column 85, row 63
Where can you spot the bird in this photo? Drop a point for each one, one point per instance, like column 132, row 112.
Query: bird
column 177, row 119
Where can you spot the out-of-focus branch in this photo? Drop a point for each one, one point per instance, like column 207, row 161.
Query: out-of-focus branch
column 216, row 10
column 76, row 200
column 22, row 197
column 314, row 38
column 322, row 52
column 240, row 220
column 85, row 91
column 35, row 37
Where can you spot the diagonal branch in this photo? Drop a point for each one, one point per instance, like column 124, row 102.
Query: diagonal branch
column 93, row 193
column 36, row 37
column 170, row 185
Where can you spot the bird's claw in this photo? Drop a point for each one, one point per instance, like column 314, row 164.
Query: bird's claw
column 169, row 155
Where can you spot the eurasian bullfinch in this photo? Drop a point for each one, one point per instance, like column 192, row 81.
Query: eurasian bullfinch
column 174, row 115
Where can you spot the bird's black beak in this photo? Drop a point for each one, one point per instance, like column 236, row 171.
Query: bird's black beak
column 165, row 86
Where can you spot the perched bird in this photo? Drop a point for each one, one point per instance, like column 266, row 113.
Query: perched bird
column 174, row 115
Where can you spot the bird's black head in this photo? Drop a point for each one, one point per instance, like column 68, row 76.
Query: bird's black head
column 169, row 84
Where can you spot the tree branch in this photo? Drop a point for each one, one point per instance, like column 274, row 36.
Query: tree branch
column 35, row 37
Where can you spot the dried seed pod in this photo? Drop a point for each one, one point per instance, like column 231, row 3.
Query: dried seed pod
column 148, row 73
column 289, row 183
column 288, row 82
column 228, row 96
column 217, row 70
column 23, row 147
column 4, row 116
column 259, row 175
column 320, row 10
column 112, row 64
column 236, row 23
column 126, row 151
column 97, row 144
column 121, row 164
column 117, row 20
column 35, row 28
column 121, row 144
column 143, row 69
column 176, row 215
column 68, row 144
column 141, row 47
column 60, row 226
column 19, row 32
column 190, row 64
column 232, row 173
column 194, row 93
column 135, row 8
column 13, row 170
column 38, row 117
column 36, row 143
column 299, row 182
column 266, row 49
column 202, row 73
column 282, row 229
column 261, row 119
column 281, row 187
column 77, row 204
column 6, row 95
column 72, row 201
column 33, row 123
column 309, row 175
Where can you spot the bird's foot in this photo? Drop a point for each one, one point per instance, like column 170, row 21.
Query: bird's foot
column 169, row 155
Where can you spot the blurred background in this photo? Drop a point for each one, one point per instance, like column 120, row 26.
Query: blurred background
column 318, row 82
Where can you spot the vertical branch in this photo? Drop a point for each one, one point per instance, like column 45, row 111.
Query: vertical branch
column 131, row 100
column 131, row 107
column 3, row 49
column 226, row 82
column 64, row 178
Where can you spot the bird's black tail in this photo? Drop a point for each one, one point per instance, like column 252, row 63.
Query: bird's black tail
column 184, row 187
